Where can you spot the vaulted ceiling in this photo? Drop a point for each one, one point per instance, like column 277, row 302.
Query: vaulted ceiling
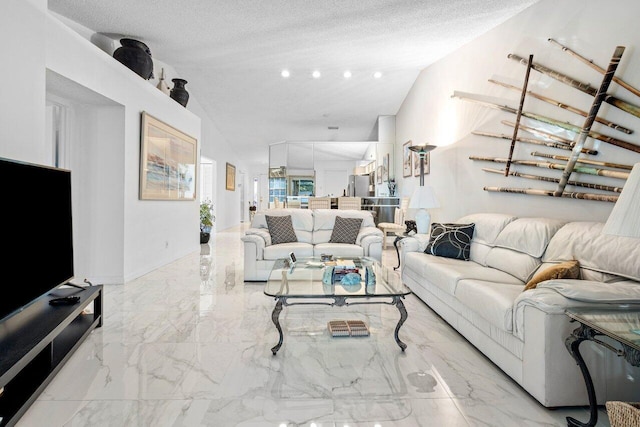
column 232, row 54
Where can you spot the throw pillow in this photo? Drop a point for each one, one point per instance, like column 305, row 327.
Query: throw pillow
column 345, row 230
column 564, row 270
column 450, row 240
column 281, row 229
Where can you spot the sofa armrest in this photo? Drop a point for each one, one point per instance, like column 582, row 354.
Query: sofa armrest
column 555, row 296
column 623, row 292
column 366, row 232
column 415, row 243
column 260, row 232
column 254, row 245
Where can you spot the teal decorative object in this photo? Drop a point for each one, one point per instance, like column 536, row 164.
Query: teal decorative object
column 351, row 282
column 327, row 276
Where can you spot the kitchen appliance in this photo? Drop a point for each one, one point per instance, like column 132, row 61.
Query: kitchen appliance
column 358, row 186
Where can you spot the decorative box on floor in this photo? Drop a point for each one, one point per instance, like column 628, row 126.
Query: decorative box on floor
column 348, row 328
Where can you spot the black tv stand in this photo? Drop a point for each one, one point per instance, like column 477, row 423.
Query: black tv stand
column 36, row 342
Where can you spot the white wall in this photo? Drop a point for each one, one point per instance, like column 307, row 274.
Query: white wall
column 22, row 104
column 430, row 115
column 118, row 237
column 213, row 144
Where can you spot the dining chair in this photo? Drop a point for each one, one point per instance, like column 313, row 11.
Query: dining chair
column 319, row 203
column 352, row 203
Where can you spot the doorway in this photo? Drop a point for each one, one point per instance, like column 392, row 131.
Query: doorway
column 208, row 168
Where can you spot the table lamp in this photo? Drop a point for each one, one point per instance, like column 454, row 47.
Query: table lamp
column 624, row 219
column 423, row 197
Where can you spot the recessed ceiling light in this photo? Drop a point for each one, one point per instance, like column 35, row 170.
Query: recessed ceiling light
column 377, row 75
column 347, row 74
column 285, row 73
column 316, row 74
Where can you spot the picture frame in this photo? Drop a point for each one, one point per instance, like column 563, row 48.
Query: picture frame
column 379, row 173
column 385, row 168
column 406, row 159
column 416, row 163
column 231, row 177
column 168, row 161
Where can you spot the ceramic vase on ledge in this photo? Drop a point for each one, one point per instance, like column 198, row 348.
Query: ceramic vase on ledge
column 179, row 93
column 162, row 84
column 136, row 56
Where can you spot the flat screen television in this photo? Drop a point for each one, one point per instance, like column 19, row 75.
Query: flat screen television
column 38, row 236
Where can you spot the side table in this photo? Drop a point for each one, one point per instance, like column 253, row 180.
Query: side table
column 622, row 325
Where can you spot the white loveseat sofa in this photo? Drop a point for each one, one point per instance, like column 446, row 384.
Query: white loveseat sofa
column 524, row 332
column 313, row 229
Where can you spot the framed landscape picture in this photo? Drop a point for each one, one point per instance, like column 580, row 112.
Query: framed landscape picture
column 406, row 159
column 168, row 162
column 231, row 177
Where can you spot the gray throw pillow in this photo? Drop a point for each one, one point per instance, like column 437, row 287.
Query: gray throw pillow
column 281, row 229
column 345, row 230
column 450, row 240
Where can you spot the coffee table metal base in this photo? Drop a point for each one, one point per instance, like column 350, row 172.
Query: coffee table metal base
column 339, row 301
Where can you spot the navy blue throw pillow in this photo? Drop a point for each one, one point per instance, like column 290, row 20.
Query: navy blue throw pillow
column 450, row 240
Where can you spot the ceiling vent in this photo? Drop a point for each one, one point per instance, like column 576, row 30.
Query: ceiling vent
column 333, row 128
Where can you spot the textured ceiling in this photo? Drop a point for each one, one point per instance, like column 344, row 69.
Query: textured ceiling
column 231, row 53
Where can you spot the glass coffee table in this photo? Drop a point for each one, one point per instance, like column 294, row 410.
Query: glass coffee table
column 310, row 281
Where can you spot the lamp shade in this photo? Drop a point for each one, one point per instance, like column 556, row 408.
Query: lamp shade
column 624, row 219
column 423, row 198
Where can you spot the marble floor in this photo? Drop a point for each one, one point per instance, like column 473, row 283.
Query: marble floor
column 189, row 345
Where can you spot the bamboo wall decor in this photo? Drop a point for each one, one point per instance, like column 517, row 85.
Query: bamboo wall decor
column 586, row 128
column 565, row 107
column 574, row 162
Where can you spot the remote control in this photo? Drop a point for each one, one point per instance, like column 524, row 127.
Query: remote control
column 64, row 301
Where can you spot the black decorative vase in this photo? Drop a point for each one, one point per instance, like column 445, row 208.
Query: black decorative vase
column 136, row 56
column 204, row 237
column 179, row 93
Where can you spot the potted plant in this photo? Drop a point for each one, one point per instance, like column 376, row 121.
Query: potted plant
column 206, row 220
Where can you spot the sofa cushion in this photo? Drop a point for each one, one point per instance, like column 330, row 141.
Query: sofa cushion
column 450, row 240
column 338, row 250
column 563, row 270
column 324, row 222
column 528, row 235
column 281, row 229
column 302, row 220
column 517, row 264
column 585, row 242
column 345, row 230
column 487, row 225
column 490, row 300
column 486, row 230
column 520, row 245
column 302, row 250
column 446, row 272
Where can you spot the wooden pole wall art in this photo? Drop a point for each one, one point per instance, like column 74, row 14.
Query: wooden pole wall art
column 523, row 94
column 563, row 141
column 565, row 107
column 547, row 120
column 591, row 64
column 556, row 180
column 584, row 132
column 573, row 163
column 584, row 87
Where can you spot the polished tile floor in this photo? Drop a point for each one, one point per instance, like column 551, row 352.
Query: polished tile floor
column 189, row 345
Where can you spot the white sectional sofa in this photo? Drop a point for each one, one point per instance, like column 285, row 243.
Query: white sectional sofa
column 313, row 229
column 524, row 332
